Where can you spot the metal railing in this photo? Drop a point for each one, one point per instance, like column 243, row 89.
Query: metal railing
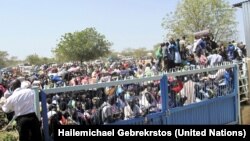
column 173, row 93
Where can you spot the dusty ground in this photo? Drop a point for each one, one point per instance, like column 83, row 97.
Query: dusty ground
column 245, row 113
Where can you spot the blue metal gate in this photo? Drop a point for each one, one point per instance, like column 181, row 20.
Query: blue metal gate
column 220, row 106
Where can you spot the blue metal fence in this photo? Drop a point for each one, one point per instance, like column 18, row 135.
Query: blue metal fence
column 219, row 109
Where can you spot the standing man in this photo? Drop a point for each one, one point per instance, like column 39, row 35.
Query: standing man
column 22, row 103
column 159, row 56
column 183, row 48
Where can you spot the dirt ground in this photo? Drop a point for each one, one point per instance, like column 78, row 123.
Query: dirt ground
column 245, row 113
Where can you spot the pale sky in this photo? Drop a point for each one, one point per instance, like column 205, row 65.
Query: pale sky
column 28, row 27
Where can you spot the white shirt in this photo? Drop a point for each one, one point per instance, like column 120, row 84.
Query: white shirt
column 128, row 113
column 214, row 59
column 51, row 113
column 196, row 43
column 190, row 49
column 21, row 101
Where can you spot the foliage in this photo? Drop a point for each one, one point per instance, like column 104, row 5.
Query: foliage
column 8, row 136
column 82, row 46
column 6, row 61
column 192, row 16
column 34, row 59
column 140, row 52
column 3, row 58
column 137, row 52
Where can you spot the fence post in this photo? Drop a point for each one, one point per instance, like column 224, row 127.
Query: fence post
column 45, row 117
column 164, row 95
column 236, row 92
column 37, row 103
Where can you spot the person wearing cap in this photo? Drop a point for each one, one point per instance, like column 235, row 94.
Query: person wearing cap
column 21, row 102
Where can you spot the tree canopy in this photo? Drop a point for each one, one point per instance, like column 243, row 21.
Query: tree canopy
column 8, row 61
column 3, row 58
column 34, row 59
column 193, row 16
column 82, row 46
column 135, row 52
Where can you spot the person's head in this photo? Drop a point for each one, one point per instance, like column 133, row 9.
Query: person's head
column 167, row 44
column 78, row 105
column 111, row 100
column 63, row 106
column 14, row 84
column 171, row 40
column 148, row 97
column 214, row 51
column 197, row 37
column 163, row 44
column 148, row 65
column 49, row 101
column 183, row 37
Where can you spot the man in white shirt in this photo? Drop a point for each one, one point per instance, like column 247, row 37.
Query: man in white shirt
column 22, row 103
column 214, row 58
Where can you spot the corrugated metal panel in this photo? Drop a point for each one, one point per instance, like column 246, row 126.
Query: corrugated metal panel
column 246, row 18
column 213, row 112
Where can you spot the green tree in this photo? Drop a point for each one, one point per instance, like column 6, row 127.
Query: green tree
column 136, row 52
column 127, row 52
column 140, row 52
column 13, row 61
column 82, row 46
column 193, row 16
column 33, row 59
column 113, row 56
column 3, row 58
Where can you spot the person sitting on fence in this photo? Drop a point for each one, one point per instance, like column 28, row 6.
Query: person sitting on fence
column 238, row 53
column 214, row 58
column 159, row 56
column 202, row 59
column 222, row 51
column 230, row 52
column 191, row 60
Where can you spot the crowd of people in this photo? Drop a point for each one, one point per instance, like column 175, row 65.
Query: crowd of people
column 123, row 102
column 204, row 52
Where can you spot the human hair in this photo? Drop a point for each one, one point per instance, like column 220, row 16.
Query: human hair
column 14, row 84
column 163, row 44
